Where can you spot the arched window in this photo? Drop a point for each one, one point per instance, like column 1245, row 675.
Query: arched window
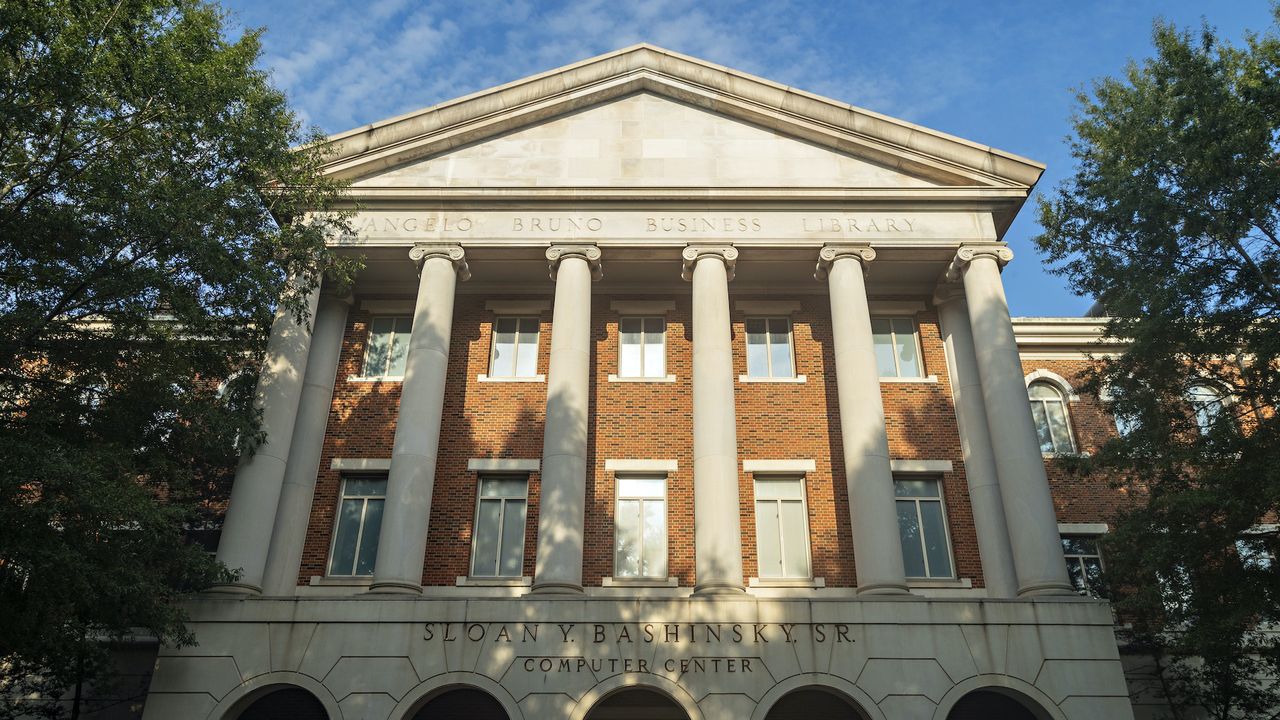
column 285, row 702
column 1049, row 410
column 1207, row 405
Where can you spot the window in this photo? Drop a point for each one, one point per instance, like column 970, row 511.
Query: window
column 498, row 544
column 388, row 347
column 642, row 347
column 782, row 528
column 769, row 348
column 1206, row 404
column 896, row 346
column 922, row 525
column 641, row 523
column 515, row 347
column 1050, row 415
column 355, row 540
column 1084, row 563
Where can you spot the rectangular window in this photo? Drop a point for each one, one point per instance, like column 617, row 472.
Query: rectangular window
column 897, row 347
column 769, row 353
column 1084, row 563
column 782, row 528
column 388, row 347
column 641, row 523
column 922, row 526
column 515, row 347
column 355, row 539
column 498, row 543
column 642, row 347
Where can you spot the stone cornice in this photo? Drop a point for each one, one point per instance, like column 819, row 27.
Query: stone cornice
column 693, row 253
column 590, row 253
column 421, row 252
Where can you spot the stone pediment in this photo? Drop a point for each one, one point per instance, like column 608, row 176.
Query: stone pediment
column 647, row 117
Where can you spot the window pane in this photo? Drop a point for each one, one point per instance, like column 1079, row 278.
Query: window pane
column 757, row 349
column 1043, row 391
column 513, row 538
column 1076, row 571
column 795, row 561
column 1078, row 545
column 504, row 348
column 655, row 347
column 369, row 538
column 527, row 353
column 1042, row 426
column 779, row 488
column 905, row 347
column 629, row 350
column 358, row 486
column 511, row 487
column 344, row 542
column 485, row 562
column 909, row 531
column 935, row 539
column 634, row 487
column 915, row 488
column 627, row 526
column 379, row 347
column 882, row 341
column 655, row 539
column 1093, row 574
column 780, row 348
column 1057, row 416
column 767, row 547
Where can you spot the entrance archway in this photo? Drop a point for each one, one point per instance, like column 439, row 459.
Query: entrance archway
column 811, row 703
column 285, row 703
column 637, row 703
column 986, row 704
column 462, row 704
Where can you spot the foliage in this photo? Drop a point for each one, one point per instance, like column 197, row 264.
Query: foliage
column 141, row 260
column 1170, row 221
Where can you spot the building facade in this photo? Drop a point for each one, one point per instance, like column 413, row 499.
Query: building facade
column 666, row 391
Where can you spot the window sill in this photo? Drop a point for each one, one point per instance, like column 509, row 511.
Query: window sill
column 749, row 379
column 466, row 581
column 638, row 582
column 965, row 583
column 529, row 379
column 787, row 582
column 363, row 379
column 931, row 379
column 667, row 379
column 341, row 581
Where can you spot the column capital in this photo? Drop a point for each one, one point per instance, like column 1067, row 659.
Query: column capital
column 728, row 254
column 421, row 252
column 590, row 253
column 829, row 254
column 968, row 253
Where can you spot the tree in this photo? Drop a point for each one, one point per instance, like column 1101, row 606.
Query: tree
column 153, row 211
column 1170, row 221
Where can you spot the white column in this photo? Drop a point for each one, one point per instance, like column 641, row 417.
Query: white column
column 251, row 510
column 877, row 547
column 975, row 444
column 294, row 511
column 402, row 543
column 1024, row 486
column 564, row 444
column 717, row 526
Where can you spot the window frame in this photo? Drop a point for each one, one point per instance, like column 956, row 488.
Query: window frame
column 1064, row 401
column 666, row 521
column 1222, row 400
column 368, row 345
column 644, row 320
column 475, row 524
column 893, row 334
column 515, row 360
column 364, row 510
column 946, row 525
column 800, row 478
column 1078, row 559
column 791, row 346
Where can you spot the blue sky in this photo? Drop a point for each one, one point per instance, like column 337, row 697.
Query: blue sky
column 999, row 73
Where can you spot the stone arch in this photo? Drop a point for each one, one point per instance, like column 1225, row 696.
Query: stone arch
column 625, row 681
column 1027, row 695
column 832, row 684
column 434, row 687
column 234, row 703
column 1053, row 378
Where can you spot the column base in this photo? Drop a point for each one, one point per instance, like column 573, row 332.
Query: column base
column 552, row 588
column 718, row 589
column 234, row 588
column 1047, row 589
column 883, row 589
column 394, row 587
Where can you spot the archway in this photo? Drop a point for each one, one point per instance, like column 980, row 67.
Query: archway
column 987, row 703
column 813, row 702
column 637, row 703
column 463, row 703
column 285, row 703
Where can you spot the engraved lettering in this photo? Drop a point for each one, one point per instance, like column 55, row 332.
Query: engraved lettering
column 599, row 635
column 517, row 224
column 819, row 632
column 428, row 633
column 529, row 634
column 410, row 224
column 648, row 632
column 595, row 224
column 564, row 630
column 471, row 635
column 759, row 633
column 448, row 630
column 786, row 630
column 503, row 635
column 842, row 633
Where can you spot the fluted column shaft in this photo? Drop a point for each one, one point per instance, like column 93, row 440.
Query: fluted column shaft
column 402, row 542
column 1024, row 486
column 564, row 445
column 717, row 525
column 868, row 475
column 251, row 510
column 975, row 444
column 294, row 510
